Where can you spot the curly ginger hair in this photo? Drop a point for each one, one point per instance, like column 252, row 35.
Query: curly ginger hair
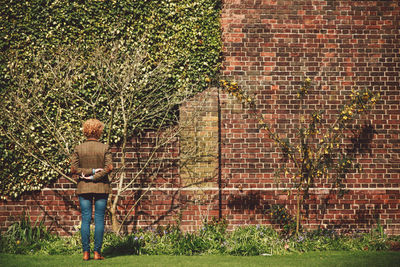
column 93, row 128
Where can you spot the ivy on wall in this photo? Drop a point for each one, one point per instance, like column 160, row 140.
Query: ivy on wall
column 187, row 31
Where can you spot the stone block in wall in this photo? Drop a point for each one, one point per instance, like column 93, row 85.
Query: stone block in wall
column 199, row 140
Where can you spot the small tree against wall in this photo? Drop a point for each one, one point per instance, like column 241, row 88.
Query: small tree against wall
column 317, row 153
column 126, row 89
column 140, row 98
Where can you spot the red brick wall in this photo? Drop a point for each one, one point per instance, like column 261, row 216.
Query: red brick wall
column 269, row 48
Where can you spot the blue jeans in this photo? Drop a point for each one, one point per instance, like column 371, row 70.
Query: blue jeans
column 86, row 203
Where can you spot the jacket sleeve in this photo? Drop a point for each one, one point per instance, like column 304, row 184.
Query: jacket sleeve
column 108, row 165
column 75, row 169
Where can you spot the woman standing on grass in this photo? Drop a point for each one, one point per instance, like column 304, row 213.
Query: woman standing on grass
column 91, row 163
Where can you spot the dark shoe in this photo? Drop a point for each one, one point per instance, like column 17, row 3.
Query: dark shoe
column 86, row 256
column 97, row 256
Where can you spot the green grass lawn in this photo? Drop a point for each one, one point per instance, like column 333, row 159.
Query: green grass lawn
column 328, row 258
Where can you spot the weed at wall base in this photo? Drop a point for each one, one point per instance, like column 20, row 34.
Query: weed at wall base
column 212, row 239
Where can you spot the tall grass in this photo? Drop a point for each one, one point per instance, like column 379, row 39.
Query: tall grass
column 25, row 237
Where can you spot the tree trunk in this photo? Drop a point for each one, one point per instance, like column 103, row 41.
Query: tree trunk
column 115, row 226
column 298, row 211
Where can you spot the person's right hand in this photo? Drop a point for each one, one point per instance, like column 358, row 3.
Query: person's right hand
column 87, row 177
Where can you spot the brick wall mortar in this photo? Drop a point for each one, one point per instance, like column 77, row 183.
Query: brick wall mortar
column 270, row 46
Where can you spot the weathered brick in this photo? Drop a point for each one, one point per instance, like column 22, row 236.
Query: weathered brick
column 269, row 48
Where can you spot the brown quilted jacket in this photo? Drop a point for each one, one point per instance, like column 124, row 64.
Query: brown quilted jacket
column 87, row 156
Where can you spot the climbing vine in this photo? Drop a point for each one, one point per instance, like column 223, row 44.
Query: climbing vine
column 47, row 48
